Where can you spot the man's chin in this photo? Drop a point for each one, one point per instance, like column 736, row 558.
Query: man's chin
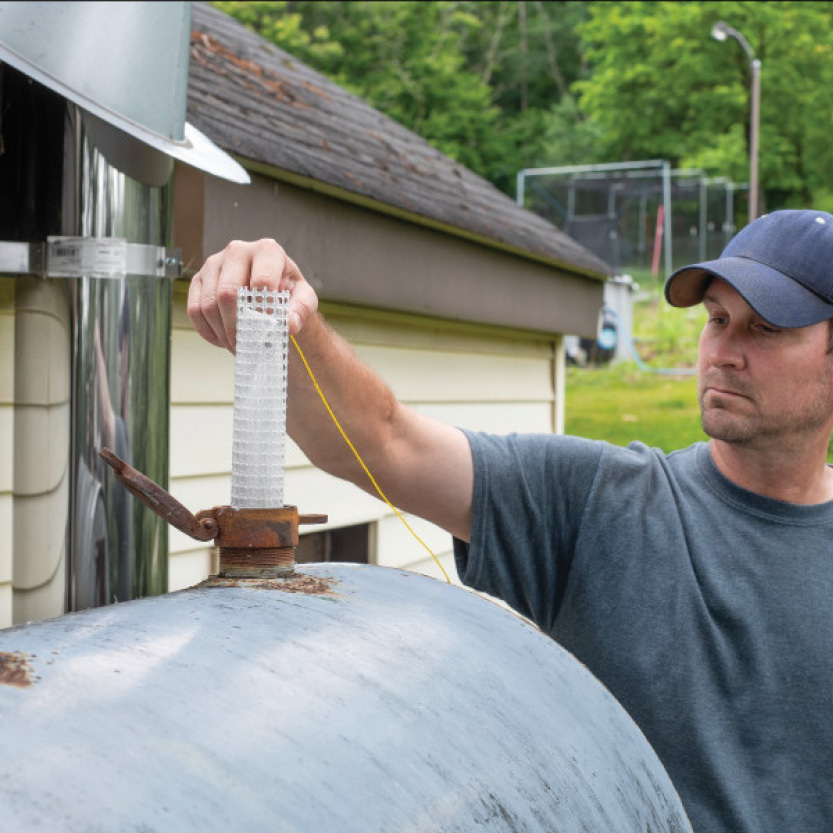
column 722, row 426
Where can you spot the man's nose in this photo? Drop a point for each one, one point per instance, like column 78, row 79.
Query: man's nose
column 727, row 349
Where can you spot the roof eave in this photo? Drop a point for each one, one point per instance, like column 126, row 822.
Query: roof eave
column 364, row 201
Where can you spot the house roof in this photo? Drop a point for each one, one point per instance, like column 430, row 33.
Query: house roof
column 276, row 114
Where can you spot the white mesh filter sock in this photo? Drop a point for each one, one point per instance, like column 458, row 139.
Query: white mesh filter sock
column 259, row 433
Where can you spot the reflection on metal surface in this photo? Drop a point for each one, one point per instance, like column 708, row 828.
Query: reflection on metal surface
column 399, row 703
column 121, row 355
column 158, row 500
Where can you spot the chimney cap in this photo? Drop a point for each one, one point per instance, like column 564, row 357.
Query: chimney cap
column 124, row 62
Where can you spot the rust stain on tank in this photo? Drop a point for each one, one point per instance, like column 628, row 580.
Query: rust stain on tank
column 295, row 583
column 15, row 669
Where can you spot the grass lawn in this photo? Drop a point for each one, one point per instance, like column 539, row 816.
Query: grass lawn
column 622, row 403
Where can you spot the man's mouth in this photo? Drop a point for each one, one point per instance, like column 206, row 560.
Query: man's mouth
column 727, row 392
column 719, row 388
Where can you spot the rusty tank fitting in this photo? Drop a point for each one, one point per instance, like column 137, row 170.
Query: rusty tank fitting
column 253, row 543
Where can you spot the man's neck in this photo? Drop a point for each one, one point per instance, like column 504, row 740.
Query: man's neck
column 793, row 475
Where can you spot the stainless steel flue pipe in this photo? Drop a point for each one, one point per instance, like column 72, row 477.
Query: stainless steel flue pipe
column 93, row 98
column 92, row 358
column 120, row 373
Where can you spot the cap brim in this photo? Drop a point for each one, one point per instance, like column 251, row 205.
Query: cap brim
column 773, row 295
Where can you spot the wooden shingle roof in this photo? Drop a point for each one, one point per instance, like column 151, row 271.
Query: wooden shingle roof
column 269, row 109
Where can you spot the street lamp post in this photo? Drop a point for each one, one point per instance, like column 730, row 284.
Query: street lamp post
column 721, row 31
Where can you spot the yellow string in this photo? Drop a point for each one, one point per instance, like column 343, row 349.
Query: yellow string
column 361, row 462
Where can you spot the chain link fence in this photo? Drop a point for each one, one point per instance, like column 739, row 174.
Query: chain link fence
column 642, row 218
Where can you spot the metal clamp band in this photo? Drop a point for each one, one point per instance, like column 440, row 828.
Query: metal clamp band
column 93, row 257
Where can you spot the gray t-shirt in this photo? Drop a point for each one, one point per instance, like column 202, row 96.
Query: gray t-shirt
column 706, row 610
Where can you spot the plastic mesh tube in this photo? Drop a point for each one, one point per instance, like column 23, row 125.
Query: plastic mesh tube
column 259, row 432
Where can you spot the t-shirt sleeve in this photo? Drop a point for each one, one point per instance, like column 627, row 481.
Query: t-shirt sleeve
column 529, row 497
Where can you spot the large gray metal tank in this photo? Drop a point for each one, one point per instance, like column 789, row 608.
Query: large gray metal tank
column 346, row 698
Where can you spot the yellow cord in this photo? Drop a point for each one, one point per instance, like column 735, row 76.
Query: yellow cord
column 358, row 457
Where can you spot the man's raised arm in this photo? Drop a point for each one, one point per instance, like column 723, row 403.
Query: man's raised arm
column 423, row 466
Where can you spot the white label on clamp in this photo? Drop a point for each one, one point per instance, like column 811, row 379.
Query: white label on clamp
column 91, row 257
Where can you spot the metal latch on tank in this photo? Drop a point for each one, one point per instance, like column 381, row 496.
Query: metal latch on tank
column 254, row 543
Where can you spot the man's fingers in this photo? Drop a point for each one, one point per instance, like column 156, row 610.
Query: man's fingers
column 268, row 265
column 219, row 302
column 303, row 302
column 212, row 296
column 302, row 306
column 195, row 310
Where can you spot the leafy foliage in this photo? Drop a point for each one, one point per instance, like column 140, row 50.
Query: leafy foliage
column 502, row 85
column 485, row 82
column 662, row 87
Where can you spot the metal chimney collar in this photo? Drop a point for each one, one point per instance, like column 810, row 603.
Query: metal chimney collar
column 124, row 62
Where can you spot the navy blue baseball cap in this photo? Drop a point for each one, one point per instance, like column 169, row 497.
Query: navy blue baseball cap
column 781, row 264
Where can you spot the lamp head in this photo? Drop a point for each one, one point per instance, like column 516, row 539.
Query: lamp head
column 720, row 31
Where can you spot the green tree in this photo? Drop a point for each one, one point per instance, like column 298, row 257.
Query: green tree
column 502, row 85
column 403, row 58
column 488, row 83
column 660, row 87
column 530, row 55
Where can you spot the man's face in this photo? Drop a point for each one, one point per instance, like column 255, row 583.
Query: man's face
column 757, row 382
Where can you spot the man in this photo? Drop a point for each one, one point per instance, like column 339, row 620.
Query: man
column 696, row 585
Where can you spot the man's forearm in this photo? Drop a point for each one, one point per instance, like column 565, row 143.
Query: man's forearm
column 423, row 466
column 362, row 402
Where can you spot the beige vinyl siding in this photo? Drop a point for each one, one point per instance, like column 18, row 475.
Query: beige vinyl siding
column 6, row 446
column 41, row 442
column 474, row 377
column 34, row 448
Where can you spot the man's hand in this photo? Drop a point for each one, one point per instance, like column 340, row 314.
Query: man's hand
column 212, row 297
